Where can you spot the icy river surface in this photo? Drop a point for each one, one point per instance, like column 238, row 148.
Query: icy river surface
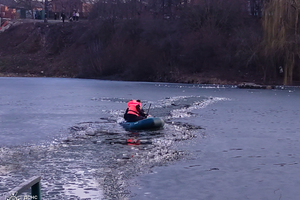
column 218, row 142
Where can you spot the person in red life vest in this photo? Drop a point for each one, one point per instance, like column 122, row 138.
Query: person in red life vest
column 134, row 112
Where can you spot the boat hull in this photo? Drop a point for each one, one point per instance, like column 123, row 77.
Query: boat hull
column 149, row 123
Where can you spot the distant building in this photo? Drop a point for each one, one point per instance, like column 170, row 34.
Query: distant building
column 29, row 9
column 6, row 12
column 25, row 9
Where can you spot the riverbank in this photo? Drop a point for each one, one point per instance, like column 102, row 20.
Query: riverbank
column 187, row 78
column 36, row 49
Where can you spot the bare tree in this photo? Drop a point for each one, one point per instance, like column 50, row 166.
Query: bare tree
column 281, row 33
column 67, row 6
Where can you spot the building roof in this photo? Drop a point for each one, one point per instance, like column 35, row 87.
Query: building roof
column 24, row 5
column 8, row 3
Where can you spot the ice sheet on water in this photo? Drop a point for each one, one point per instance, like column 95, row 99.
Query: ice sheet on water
column 186, row 111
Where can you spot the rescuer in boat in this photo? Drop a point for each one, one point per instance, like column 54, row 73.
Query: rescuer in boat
column 134, row 112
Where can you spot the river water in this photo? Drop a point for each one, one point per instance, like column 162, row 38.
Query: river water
column 219, row 142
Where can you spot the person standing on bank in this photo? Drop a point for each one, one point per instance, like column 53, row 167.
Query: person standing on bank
column 74, row 16
column 134, row 112
column 63, row 16
column 77, row 16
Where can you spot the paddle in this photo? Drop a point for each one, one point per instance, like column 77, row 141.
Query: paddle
column 148, row 109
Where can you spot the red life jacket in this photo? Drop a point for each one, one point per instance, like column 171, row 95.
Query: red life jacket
column 132, row 107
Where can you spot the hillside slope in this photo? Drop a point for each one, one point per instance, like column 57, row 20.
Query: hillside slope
column 39, row 49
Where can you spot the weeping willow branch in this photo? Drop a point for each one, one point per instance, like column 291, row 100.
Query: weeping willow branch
column 280, row 25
